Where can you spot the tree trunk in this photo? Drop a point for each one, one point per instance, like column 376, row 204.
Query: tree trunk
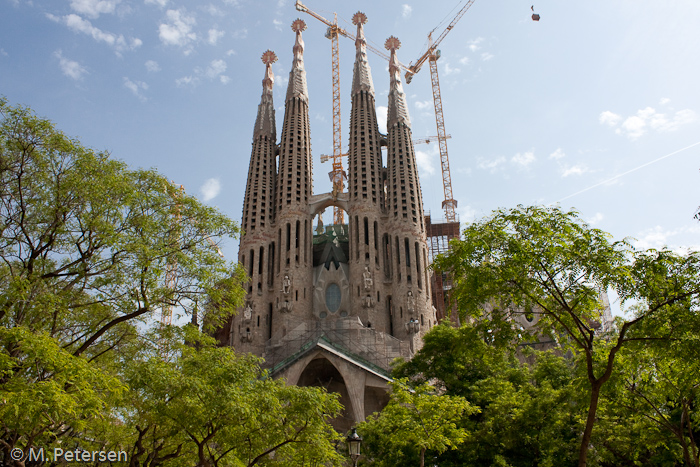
column 590, row 421
column 422, row 457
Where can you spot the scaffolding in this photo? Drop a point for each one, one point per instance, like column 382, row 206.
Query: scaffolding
column 348, row 337
column 439, row 235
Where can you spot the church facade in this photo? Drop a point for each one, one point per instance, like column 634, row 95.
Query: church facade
column 334, row 305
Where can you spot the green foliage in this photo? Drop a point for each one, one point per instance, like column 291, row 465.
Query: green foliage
column 85, row 242
column 529, row 413
column 90, row 253
column 219, row 408
column 549, row 263
column 415, row 420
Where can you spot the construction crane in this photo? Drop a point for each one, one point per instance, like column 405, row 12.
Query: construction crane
column 176, row 193
column 337, row 174
column 432, row 55
column 428, row 139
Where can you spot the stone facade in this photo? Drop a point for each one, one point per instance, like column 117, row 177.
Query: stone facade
column 334, row 305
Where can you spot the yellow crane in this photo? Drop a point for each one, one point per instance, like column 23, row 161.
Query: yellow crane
column 176, row 193
column 337, row 174
column 432, row 55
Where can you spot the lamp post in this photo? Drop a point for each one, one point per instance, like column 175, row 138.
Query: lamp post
column 354, row 440
column 413, row 326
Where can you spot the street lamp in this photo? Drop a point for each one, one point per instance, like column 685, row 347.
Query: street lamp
column 413, row 326
column 354, row 440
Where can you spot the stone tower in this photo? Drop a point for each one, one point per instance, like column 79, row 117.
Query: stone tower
column 334, row 305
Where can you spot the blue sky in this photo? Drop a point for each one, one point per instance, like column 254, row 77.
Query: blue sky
column 564, row 109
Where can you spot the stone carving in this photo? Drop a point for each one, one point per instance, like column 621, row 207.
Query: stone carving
column 246, row 335
column 368, row 301
column 410, row 302
column 248, row 311
column 367, row 276
column 286, row 284
column 284, row 307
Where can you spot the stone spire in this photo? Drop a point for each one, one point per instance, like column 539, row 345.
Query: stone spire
column 294, row 180
column 362, row 76
column 297, row 77
column 398, row 111
column 364, row 148
column 265, row 122
column 258, row 206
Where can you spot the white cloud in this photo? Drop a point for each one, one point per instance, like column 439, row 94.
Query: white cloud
column 240, row 34
column 486, row 56
column 187, row 80
column 659, row 237
column 160, row 3
column 449, row 70
column 474, row 44
column 422, row 105
column 215, row 35
column 278, row 24
column 578, row 169
column 94, row 8
column 281, row 81
column 524, row 159
column 609, row 118
column 214, row 71
column 558, row 154
column 425, row 160
column 178, row 30
column 637, row 125
column 230, row 52
column 136, row 87
column 466, row 214
column 406, row 11
column 210, row 189
column 78, row 24
column 633, row 126
column 70, row 68
column 152, row 66
column 595, row 219
column 464, row 60
column 381, row 118
column 214, row 11
column 3, row 53
column 216, row 68
column 492, row 165
column 664, row 101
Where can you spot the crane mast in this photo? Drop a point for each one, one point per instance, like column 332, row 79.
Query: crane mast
column 337, row 174
column 449, row 204
column 432, row 55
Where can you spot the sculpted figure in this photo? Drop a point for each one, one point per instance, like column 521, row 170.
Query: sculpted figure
column 367, row 276
column 286, row 284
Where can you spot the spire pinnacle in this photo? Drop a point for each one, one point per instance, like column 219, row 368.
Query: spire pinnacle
column 265, row 121
column 398, row 111
column 297, row 77
column 362, row 76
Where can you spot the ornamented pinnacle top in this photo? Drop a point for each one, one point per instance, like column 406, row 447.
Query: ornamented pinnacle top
column 299, row 25
column 360, row 18
column 392, row 43
column 269, row 57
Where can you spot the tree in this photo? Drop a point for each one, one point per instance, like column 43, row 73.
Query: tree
column 416, row 418
column 85, row 244
column 529, row 412
column 551, row 263
column 217, row 408
column 655, row 390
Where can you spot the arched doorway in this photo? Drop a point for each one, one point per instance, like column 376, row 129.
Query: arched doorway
column 320, row 372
